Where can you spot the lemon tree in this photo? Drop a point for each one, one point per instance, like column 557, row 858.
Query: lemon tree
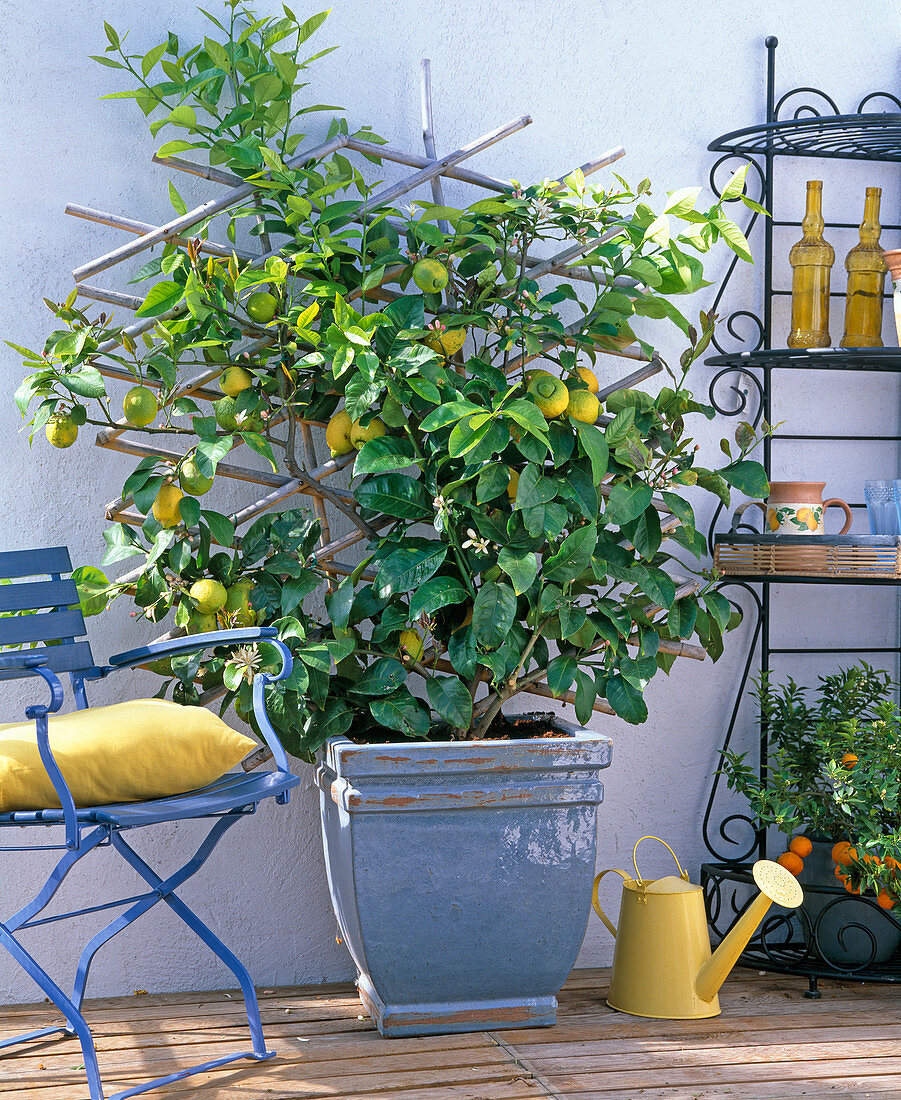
column 509, row 526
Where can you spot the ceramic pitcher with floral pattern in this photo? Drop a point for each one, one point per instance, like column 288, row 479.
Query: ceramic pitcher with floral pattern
column 797, row 508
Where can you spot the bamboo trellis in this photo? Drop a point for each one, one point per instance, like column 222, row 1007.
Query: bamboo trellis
column 430, row 170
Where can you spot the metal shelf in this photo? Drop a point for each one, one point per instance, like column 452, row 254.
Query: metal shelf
column 849, row 137
column 861, row 359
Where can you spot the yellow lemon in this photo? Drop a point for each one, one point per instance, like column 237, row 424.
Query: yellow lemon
column 447, row 343
column 235, row 380
column 536, row 372
column 61, row 431
column 337, row 433
column 140, row 406
column 261, row 307
column 192, row 480
column 583, row 406
column 209, row 594
column 550, row 395
column 512, row 484
column 590, row 379
column 165, row 507
column 412, row 646
column 360, row 435
column 430, row 276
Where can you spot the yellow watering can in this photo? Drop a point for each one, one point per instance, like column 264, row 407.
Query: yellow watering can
column 662, row 964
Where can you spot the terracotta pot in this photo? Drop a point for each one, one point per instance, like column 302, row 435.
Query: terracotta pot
column 797, row 508
column 893, row 263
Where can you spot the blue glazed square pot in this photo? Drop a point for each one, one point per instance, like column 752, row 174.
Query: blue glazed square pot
column 460, row 873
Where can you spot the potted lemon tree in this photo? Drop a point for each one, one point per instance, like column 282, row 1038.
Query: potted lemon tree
column 517, row 511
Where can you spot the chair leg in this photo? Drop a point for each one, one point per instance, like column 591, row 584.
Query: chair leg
column 76, row 1021
column 206, row 934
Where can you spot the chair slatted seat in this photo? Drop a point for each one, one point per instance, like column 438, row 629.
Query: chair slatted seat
column 41, row 636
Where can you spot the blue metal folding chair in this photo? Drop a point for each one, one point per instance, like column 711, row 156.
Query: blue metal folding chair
column 51, row 632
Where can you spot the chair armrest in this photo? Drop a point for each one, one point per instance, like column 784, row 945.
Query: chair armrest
column 193, row 643
column 190, row 643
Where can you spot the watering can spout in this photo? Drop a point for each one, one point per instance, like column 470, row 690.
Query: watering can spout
column 776, row 884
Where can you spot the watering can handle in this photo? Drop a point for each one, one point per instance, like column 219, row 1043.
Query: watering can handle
column 684, row 874
column 611, row 927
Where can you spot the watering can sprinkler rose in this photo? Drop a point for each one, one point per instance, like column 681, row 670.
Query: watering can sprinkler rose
column 662, row 965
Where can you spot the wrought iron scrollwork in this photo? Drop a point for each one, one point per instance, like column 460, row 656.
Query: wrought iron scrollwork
column 738, row 832
column 804, row 110
column 755, row 188
column 893, row 99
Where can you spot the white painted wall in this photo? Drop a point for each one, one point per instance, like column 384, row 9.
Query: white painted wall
column 663, row 79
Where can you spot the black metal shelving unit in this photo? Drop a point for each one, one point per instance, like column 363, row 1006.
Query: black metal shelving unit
column 804, row 122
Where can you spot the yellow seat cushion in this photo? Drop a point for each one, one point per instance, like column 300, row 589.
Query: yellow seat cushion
column 128, row 752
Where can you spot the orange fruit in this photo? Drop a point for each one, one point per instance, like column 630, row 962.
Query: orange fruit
column 885, row 900
column 791, row 862
column 851, row 888
column 801, row 846
column 840, row 875
column 849, row 760
column 840, row 852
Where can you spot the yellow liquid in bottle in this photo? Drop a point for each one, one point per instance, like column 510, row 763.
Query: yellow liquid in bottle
column 866, row 280
column 811, row 260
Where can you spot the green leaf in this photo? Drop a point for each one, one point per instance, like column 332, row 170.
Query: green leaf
column 436, row 593
column 586, row 693
column 620, row 426
column 407, row 312
column 646, row 536
column 627, row 502
column 521, row 567
column 150, row 58
column 493, row 613
column 209, row 452
column 534, row 488
column 461, row 649
column 683, row 200
column 162, row 297
column 493, row 481
column 736, row 184
column 384, row 454
column 401, row 712
column 748, row 477
column 121, row 542
column 406, row 569
column 93, row 589
column 339, row 603
column 448, row 413
column 719, row 607
column 382, row 677
column 450, row 698
column 87, row 382
column 573, row 557
column 595, row 446
column 395, row 495
column 626, row 700
column 221, row 527
column 560, row 674
column 734, row 238
column 178, row 203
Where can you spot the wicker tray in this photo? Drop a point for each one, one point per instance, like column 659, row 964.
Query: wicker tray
column 853, row 556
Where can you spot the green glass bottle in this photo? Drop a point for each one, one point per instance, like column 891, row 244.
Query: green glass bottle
column 811, row 260
column 866, row 280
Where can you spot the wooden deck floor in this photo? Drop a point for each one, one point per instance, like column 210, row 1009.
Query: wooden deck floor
column 770, row 1042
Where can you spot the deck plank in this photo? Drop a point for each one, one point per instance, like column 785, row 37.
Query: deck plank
column 770, row 1042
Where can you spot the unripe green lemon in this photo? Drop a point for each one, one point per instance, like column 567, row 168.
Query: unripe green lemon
column 337, row 433
column 261, row 307
column 430, row 276
column 209, row 594
column 61, row 431
column 550, row 395
column 237, row 602
column 583, row 406
column 201, row 624
column 360, row 435
column 165, row 508
column 224, row 412
column 140, row 406
column 235, row 380
column 192, row 480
